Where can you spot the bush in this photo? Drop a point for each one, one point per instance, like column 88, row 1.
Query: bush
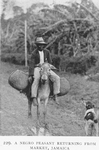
column 78, row 64
column 74, row 65
column 18, row 58
column 56, row 61
column 15, row 58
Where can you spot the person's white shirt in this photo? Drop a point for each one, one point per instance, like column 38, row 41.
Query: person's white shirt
column 41, row 53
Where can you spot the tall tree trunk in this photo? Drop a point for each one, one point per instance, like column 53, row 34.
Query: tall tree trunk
column 26, row 43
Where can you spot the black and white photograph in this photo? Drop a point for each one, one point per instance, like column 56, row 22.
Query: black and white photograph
column 49, row 74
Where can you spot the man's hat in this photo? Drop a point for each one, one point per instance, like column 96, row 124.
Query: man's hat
column 40, row 40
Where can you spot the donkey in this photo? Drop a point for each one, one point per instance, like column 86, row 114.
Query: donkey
column 19, row 80
column 43, row 93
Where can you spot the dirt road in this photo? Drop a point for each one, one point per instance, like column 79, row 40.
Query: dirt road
column 64, row 120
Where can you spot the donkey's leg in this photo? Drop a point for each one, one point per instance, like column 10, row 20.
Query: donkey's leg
column 45, row 114
column 29, row 107
column 38, row 117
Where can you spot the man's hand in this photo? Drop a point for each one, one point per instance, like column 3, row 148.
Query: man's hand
column 30, row 78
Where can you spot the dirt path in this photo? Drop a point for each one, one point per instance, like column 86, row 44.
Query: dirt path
column 64, row 120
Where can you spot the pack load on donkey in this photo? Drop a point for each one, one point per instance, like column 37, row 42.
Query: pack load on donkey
column 19, row 80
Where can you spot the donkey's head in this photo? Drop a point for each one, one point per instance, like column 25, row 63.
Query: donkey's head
column 45, row 70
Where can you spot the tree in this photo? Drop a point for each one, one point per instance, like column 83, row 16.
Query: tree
column 70, row 30
column 72, row 24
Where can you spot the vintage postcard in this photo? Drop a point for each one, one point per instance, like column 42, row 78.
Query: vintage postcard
column 49, row 74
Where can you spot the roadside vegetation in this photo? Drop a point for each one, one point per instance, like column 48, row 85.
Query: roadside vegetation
column 71, row 31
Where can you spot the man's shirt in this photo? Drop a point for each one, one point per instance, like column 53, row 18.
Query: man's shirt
column 41, row 53
column 35, row 59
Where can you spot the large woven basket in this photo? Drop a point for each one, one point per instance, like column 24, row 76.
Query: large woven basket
column 64, row 86
column 18, row 80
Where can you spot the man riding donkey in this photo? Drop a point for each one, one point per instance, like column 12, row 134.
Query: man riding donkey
column 39, row 56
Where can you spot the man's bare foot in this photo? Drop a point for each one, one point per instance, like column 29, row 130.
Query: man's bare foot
column 56, row 99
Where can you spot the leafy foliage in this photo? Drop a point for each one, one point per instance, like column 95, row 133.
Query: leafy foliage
column 71, row 31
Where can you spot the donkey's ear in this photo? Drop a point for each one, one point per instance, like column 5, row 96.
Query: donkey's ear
column 52, row 67
column 38, row 65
